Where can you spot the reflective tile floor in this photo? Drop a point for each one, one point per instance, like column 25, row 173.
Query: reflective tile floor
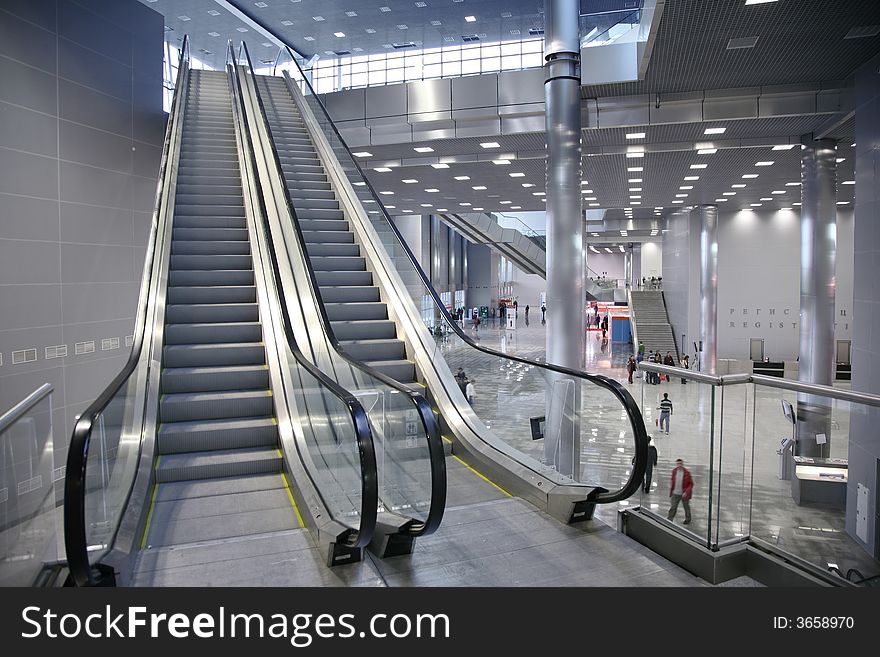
column 747, row 498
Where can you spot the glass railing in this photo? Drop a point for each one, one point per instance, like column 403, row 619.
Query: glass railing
column 409, row 452
column 602, row 29
column 332, row 433
column 104, row 450
column 755, row 474
column 28, row 528
column 592, row 430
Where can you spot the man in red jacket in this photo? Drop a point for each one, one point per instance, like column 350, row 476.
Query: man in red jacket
column 681, row 487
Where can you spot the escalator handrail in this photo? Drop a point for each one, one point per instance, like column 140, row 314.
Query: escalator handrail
column 640, row 434
column 363, row 433
column 436, row 454
column 78, row 452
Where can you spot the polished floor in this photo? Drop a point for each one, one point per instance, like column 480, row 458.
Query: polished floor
column 743, row 496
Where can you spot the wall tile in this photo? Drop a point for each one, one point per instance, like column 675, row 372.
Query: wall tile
column 95, row 225
column 95, row 147
column 94, row 32
column 95, row 71
column 26, row 218
column 26, row 42
column 88, row 263
column 41, row 13
column 17, row 258
column 30, row 175
column 27, row 130
column 34, row 305
column 99, row 302
column 95, row 109
column 84, row 184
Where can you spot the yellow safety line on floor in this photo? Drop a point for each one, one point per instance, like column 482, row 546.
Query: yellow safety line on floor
column 482, row 476
column 150, row 511
column 290, row 496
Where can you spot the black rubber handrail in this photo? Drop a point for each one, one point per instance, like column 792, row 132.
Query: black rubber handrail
column 75, row 541
column 640, row 435
column 436, row 454
column 363, row 433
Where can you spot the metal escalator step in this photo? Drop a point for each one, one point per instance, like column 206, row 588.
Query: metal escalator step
column 215, row 354
column 349, row 293
column 210, row 234
column 336, row 225
column 328, row 237
column 211, row 277
column 353, row 311
column 213, row 332
column 344, row 278
column 199, row 210
column 194, row 313
column 210, row 247
column 319, row 213
column 315, row 204
column 225, row 463
column 368, row 350
column 313, row 194
column 209, row 221
column 193, row 490
column 300, row 187
column 211, row 262
column 338, row 263
column 207, row 294
column 190, row 188
column 195, row 406
column 208, row 199
column 364, row 329
column 206, row 379
column 399, row 370
column 333, row 249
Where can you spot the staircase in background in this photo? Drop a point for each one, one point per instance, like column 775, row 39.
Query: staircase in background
column 652, row 327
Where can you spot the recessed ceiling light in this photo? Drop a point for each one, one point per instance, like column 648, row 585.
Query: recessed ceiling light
column 317, row 18
column 744, row 42
column 538, row 194
column 739, row 186
column 432, row 190
column 423, row 149
column 707, row 151
column 714, row 131
column 783, row 147
column 351, row 14
column 635, row 202
column 589, row 198
column 339, row 34
column 678, row 201
column 478, row 188
column 635, row 189
column 426, row 205
column 384, row 10
column 686, row 187
column 470, row 19
column 387, row 193
column 848, row 182
column 363, row 154
column 681, row 196
column 309, row 38
column 778, row 191
column 409, row 181
column 370, row 30
column 634, row 180
column 440, row 166
column 721, row 200
column 465, row 204
column 691, row 177
column 699, row 166
column 594, row 205
column 516, row 207
column 214, row 12
column 407, row 210
column 501, row 162
column 766, row 198
column 382, row 169
column 184, row 18
column 505, row 202
column 635, row 155
column 756, row 205
column 841, row 159
column 214, row 34
column 462, row 177
column 728, row 193
column 792, row 184
column 527, row 185
column 490, row 144
column 750, row 175
column 843, row 203
column 795, row 203
column 635, row 135
column 241, row 29
column 766, row 163
column 635, row 196
column 391, row 207
column 590, row 191
column 517, row 175
column 635, row 169
column 758, row 2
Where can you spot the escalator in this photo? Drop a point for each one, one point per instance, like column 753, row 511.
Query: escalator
column 548, row 434
column 218, row 448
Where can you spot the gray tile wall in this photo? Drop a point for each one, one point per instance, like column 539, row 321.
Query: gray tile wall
column 864, row 442
column 81, row 129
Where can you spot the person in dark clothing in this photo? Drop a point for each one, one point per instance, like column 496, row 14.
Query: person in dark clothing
column 649, row 470
column 685, row 363
column 543, row 310
column 631, row 368
column 668, row 359
column 461, row 379
column 604, row 326
column 527, row 311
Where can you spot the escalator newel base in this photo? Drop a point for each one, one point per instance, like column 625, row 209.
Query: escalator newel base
column 339, row 554
column 582, row 511
column 391, row 545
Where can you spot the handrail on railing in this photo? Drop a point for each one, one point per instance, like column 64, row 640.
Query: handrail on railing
column 13, row 414
column 598, row 495
column 426, row 415
column 363, row 432
column 77, row 459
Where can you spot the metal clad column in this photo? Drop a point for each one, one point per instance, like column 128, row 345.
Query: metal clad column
column 818, row 286
column 709, row 286
column 565, row 231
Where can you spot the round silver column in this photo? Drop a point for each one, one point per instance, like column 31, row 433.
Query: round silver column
column 818, row 288
column 566, row 298
column 709, row 286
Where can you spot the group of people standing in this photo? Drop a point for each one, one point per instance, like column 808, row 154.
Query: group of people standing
column 466, row 385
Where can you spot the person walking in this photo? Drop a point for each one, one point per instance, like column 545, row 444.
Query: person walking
column 681, row 489
column 641, row 350
column 631, row 368
column 471, row 393
column 649, row 470
column 604, row 326
column 461, row 379
column 543, row 310
column 527, row 311
column 685, row 363
column 665, row 411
